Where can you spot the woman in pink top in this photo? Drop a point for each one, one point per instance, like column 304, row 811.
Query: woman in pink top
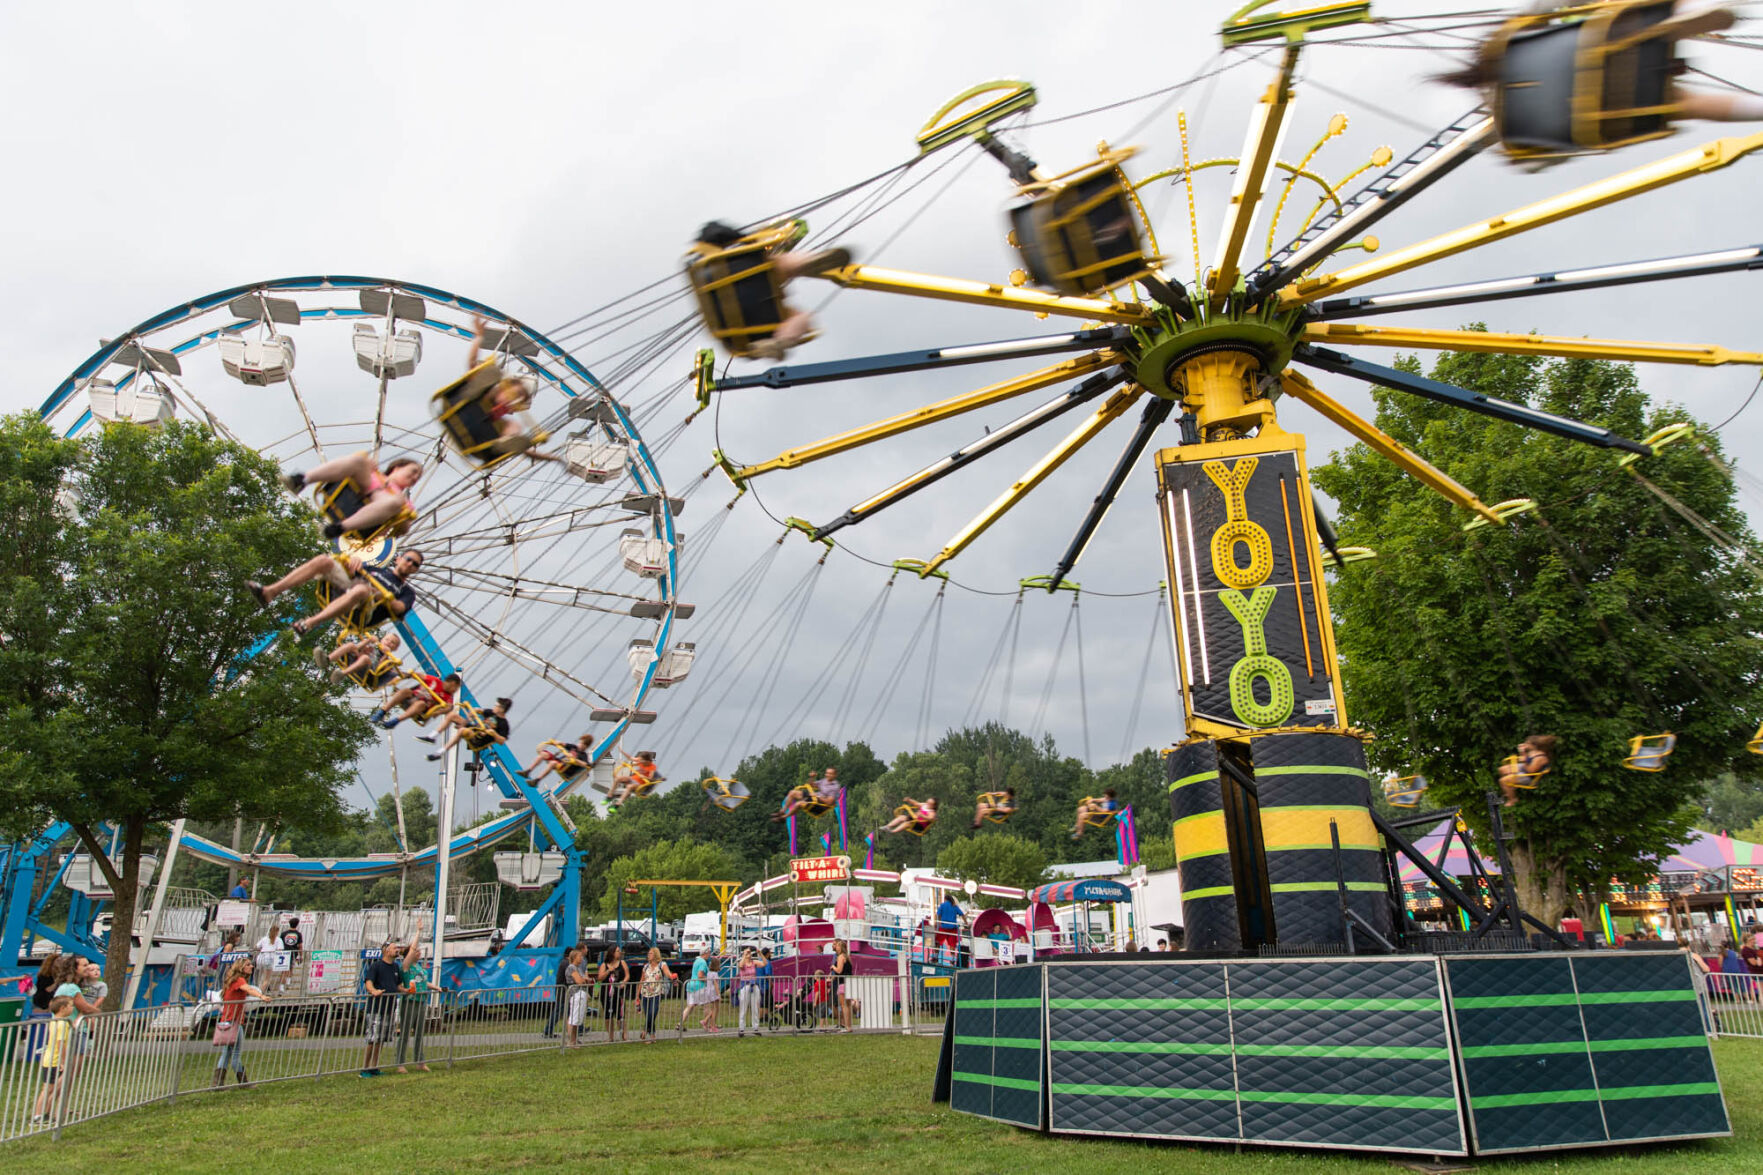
column 388, row 492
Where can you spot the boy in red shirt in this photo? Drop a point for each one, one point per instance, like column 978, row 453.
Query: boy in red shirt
column 415, row 701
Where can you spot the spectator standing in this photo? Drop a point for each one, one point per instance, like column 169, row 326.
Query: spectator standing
column 413, row 1007
column 229, row 1032
column 841, row 993
column 239, row 893
column 1752, row 953
column 747, row 992
column 575, row 972
column 615, row 977
column 56, row 1049
column 657, row 977
column 381, row 984
column 762, row 975
column 42, row 991
column 701, row 993
column 292, row 940
column 69, row 974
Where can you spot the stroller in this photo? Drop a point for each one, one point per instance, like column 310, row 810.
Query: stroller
column 796, row 1006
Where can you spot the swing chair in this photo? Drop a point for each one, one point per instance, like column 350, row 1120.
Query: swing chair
column 1590, row 78
column 1079, row 232
column 1755, row 743
column 1648, row 752
column 913, row 824
column 999, row 806
column 569, row 765
column 1405, row 791
column 380, row 675
column 479, row 735
column 1099, row 819
column 740, row 295
column 467, row 414
column 338, row 500
column 365, row 618
column 1523, row 779
column 727, row 794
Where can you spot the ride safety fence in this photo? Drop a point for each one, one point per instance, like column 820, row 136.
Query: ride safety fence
column 119, row 1060
column 1732, row 1005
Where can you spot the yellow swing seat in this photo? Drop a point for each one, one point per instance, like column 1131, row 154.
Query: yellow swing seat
column 910, row 811
column 1648, row 752
column 727, row 794
column 338, row 500
column 1094, row 819
column 1079, row 233
column 1523, row 779
column 376, row 677
column 366, row 617
column 1587, row 79
column 1405, row 791
column 1755, row 743
column 626, row 772
column 740, row 295
column 996, row 801
column 462, row 410
column 569, row 765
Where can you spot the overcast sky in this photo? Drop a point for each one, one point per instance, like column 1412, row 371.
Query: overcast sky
column 549, row 158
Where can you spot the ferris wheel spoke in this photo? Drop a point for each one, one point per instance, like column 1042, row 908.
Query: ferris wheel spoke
column 953, row 289
column 1305, row 392
column 1082, row 393
column 1711, row 156
column 1444, row 393
column 519, row 654
column 929, row 414
column 1082, row 435
column 1156, row 412
column 902, row 361
column 1557, row 282
column 1489, row 342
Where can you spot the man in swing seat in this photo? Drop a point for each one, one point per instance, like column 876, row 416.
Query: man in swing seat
column 758, row 294
column 380, row 594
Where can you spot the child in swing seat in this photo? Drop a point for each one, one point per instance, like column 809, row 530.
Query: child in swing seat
column 1536, row 755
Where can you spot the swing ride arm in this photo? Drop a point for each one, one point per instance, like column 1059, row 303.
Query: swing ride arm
column 1432, row 161
column 952, row 289
column 1156, row 412
column 929, row 414
column 1444, row 393
column 1110, row 410
column 1305, row 392
column 1557, row 282
column 1698, row 354
column 1708, row 157
column 1266, row 133
column 1083, row 393
column 814, row 373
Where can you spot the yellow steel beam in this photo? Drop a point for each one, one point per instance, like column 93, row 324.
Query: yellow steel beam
column 1259, row 149
column 1110, row 410
column 1695, row 161
column 931, row 413
column 953, row 289
column 1698, row 354
column 1302, row 390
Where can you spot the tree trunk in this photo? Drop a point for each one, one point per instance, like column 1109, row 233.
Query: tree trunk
column 122, row 920
column 1541, row 886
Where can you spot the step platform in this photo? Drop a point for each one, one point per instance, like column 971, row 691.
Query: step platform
column 1429, row 1055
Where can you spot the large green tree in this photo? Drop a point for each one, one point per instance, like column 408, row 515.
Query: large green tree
column 670, row 860
column 1600, row 616
column 127, row 697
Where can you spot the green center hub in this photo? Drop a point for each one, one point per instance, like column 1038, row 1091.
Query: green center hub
column 1161, row 349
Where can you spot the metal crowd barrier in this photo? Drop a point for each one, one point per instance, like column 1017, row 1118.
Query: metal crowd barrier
column 119, row 1060
column 1732, row 1005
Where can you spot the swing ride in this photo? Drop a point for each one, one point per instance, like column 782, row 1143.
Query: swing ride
column 525, row 587
column 1277, row 847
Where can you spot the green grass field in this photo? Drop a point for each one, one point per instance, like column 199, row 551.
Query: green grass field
column 839, row 1103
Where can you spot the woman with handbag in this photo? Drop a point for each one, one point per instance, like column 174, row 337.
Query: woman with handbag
column 657, row 978
column 229, row 1034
